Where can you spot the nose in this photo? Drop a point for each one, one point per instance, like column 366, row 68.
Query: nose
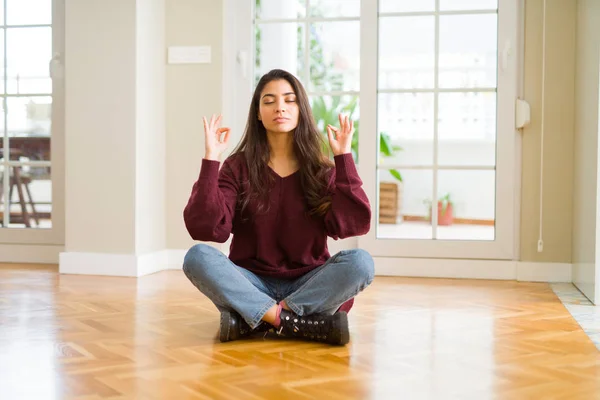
column 281, row 106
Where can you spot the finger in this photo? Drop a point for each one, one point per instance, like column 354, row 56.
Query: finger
column 218, row 121
column 226, row 138
column 351, row 126
column 335, row 131
column 205, row 124
column 330, row 134
column 212, row 121
column 341, row 118
column 347, row 120
column 220, row 132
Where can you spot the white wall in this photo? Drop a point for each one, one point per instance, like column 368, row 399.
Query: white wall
column 150, row 196
column 193, row 90
column 100, row 70
column 115, row 137
column 585, row 174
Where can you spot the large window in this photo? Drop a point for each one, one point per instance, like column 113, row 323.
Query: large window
column 26, row 47
column 431, row 85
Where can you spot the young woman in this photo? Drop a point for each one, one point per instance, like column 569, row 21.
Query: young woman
column 281, row 198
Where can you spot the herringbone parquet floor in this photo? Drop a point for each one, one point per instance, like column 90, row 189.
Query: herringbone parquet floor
column 87, row 337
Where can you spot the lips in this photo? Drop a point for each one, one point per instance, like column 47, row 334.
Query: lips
column 280, row 119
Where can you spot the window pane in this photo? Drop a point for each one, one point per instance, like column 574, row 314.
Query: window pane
column 28, row 12
column 468, row 51
column 29, row 52
column 467, row 129
column 29, row 127
column 466, row 205
column 453, row 5
column 334, row 8
column 280, row 9
column 401, row 210
column 326, row 110
column 335, row 56
column 29, row 199
column 386, row 6
column 2, row 65
column 406, row 120
column 280, row 46
column 406, row 52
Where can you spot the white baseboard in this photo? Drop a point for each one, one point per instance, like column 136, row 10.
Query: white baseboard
column 544, row 272
column 140, row 265
column 473, row 269
column 131, row 265
column 29, row 253
column 452, row 268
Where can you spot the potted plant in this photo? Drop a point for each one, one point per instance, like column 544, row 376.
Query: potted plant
column 445, row 210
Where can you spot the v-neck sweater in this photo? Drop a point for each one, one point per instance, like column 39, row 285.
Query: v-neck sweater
column 285, row 242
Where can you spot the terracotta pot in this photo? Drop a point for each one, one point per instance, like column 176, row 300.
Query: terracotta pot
column 445, row 217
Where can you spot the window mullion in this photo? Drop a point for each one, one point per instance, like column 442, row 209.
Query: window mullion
column 307, row 47
column 436, row 56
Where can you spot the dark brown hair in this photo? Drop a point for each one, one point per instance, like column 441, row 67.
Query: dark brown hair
column 308, row 148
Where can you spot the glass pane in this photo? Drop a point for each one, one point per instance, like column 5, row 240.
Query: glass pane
column 453, row 5
column 335, row 55
column 467, row 129
column 406, row 52
column 275, row 50
column 28, row 12
column 468, row 51
column 386, row 6
column 466, row 205
column 401, row 210
column 2, row 66
column 29, row 51
column 405, row 122
column 29, row 127
column 280, row 9
column 334, row 8
column 326, row 110
column 3, row 178
column 30, row 197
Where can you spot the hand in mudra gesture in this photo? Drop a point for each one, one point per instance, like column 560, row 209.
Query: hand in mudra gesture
column 215, row 143
column 340, row 139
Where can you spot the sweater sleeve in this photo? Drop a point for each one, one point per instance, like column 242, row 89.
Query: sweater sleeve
column 350, row 212
column 209, row 212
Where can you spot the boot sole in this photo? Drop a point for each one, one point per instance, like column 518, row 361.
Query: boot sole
column 342, row 321
column 225, row 327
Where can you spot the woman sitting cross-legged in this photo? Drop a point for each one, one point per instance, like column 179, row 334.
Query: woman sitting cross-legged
column 280, row 197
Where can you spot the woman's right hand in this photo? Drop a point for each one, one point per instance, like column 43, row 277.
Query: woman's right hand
column 215, row 143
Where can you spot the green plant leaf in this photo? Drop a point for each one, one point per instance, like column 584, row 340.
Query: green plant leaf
column 396, row 174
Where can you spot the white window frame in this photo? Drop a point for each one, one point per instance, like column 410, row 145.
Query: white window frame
column 503, row 246
column 55, row 234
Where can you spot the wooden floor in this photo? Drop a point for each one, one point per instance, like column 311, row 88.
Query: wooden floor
column 83, row 337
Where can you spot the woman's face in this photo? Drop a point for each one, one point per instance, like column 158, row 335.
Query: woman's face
column 278, row 109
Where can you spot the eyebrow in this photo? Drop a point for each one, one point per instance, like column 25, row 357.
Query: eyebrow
column 285, row 94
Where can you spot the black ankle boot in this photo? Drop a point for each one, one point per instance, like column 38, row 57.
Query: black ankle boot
column 332, row 329
column 233, row 327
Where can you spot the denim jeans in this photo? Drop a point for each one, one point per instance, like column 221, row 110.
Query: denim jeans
column 322, row 290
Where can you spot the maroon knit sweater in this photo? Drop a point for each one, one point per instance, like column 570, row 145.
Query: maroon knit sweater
column 285, row 242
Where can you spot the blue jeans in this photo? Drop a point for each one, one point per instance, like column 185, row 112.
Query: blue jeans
column 322, row 290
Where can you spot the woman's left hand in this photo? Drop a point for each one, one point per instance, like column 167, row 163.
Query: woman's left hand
column 340, row 139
